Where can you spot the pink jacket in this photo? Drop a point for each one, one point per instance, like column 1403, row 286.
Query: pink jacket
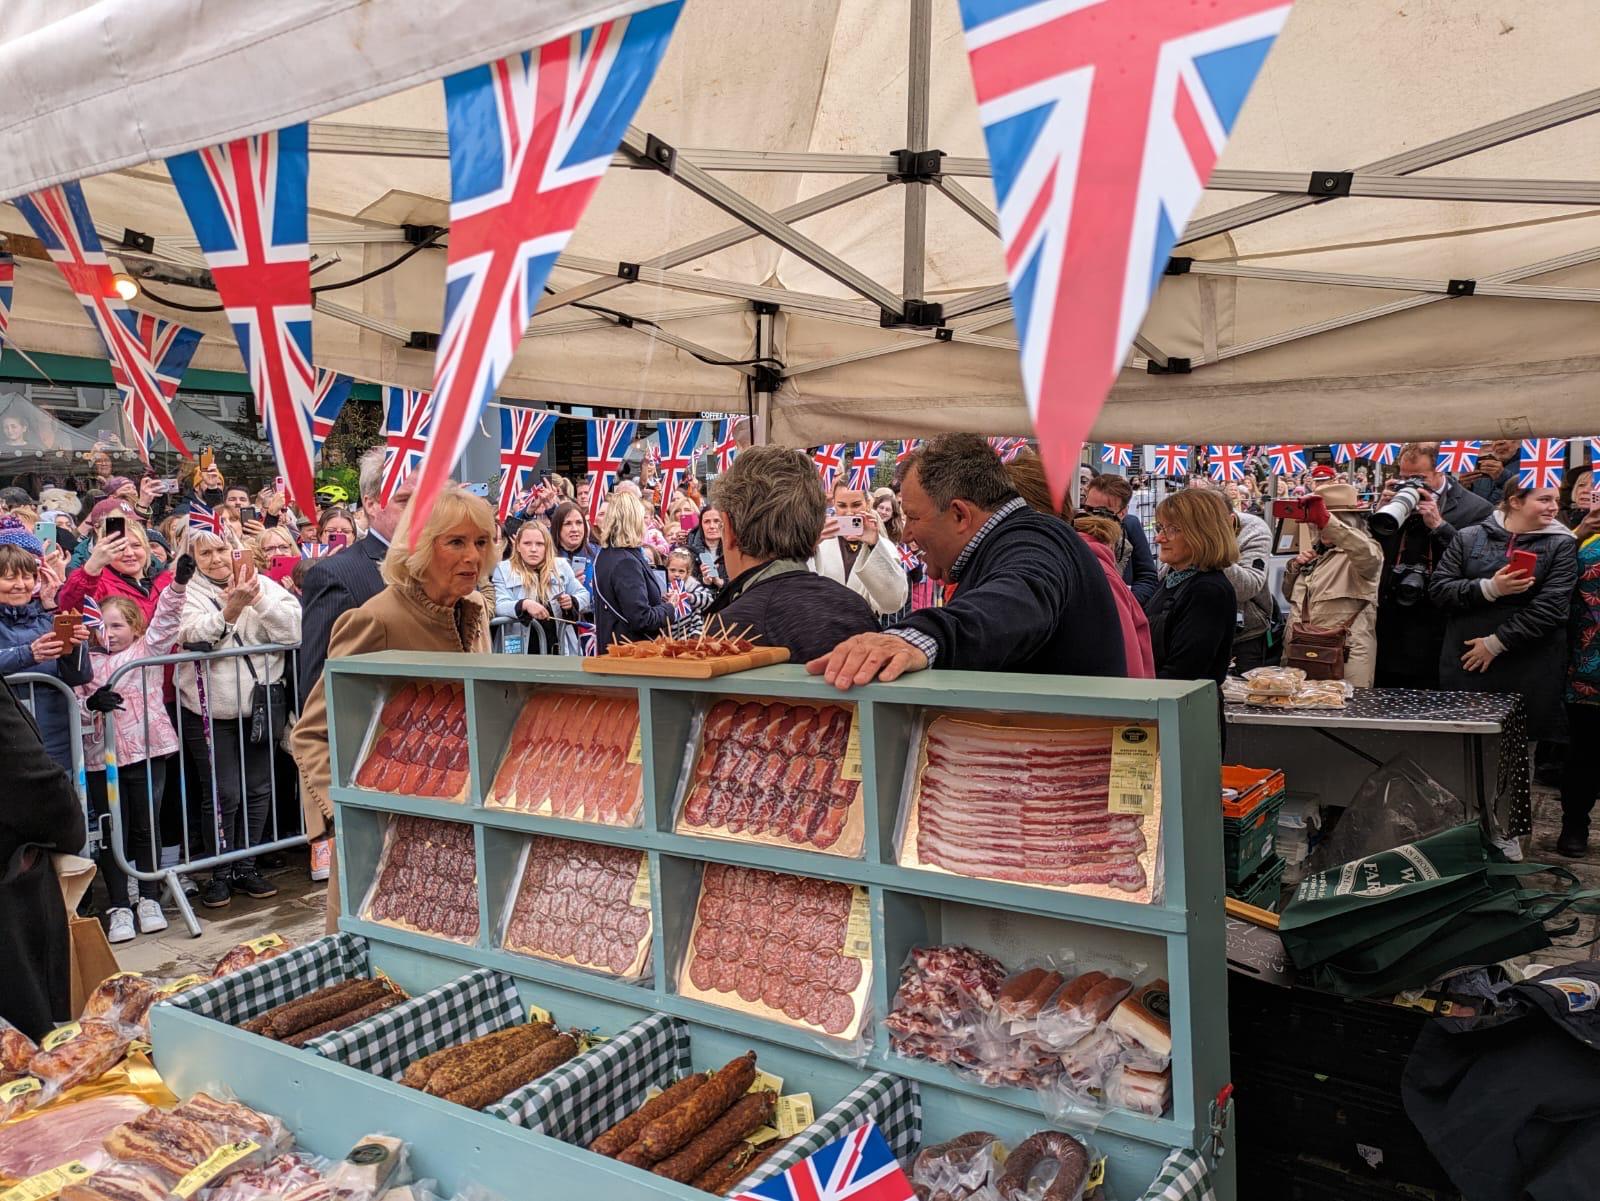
column 140, row 691
column 1135, row 625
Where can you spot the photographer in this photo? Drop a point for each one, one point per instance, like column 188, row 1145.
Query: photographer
column 1109, row 496
column 1416, row 519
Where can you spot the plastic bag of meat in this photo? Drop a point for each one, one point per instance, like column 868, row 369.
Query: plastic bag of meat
column 1143, row 1025
column 122, row 1001
column 16, row 1052
column 272, row 1179
column 77, row 1053
column 254, row 951
column 1052, row 1165
column 943, row 992
column 958, row 1169
column 1083, row 1003
column 1023, row 994
column 63, row 1133
column 228, row 1120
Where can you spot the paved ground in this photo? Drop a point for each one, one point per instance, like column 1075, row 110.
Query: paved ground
column 1542, row 849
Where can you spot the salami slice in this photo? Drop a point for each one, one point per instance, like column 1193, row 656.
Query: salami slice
column 748, row 981
column 837, row 1012
column 636, row 925
column 844, row 973
column 727, row 975
column 620, row 955
column 815, row 996
column 774, row 991
column 702, row 974
column 794, row 1003
column 706, row 937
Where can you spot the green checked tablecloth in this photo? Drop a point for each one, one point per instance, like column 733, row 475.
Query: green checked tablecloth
column 589, row 1094
column 466, row 1008
column 1183, row 1177
column 249, row 991
column 891, row 1101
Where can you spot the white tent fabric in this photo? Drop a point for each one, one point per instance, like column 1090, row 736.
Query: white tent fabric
column 1350, row 83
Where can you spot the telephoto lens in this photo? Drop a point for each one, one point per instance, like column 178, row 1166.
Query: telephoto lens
column 1391, row 516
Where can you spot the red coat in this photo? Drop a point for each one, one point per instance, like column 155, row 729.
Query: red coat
column 1135, row 625
column 80, row 583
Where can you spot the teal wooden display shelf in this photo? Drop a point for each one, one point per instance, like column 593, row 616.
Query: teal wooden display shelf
column 332, row 1104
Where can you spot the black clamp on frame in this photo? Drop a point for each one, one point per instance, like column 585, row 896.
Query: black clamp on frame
column 919, row 314
column 1461, row 287
column 1175, row 366
column 659, row 154
column 628, row 271
column 917, row 166
column 767, row 378
column 420, row 339
column 1330, row 183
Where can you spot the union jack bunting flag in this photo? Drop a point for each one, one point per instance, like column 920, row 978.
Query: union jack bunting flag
column 609, row 441
column 204, row 517
column 908, row 447
column 523, row 433
column 170, row 347
column 676, row 440
column 8, row 278
column 829, row 461
column 59, row 217
column 1103, row 122
column 1170, row 460
column 327, row 399
column 1383, row 453
column 1594, row 450
column 247, row 202
column 724, row 448
column 1458, row 456
column 407, row 425
column 90, row 608
column 857, row 1167
column 1348, row 452
column 1544, row 462
column 1286, row 458
column 530, row 137
column 1119, row 454
column 862, row 463
column 1226, row 461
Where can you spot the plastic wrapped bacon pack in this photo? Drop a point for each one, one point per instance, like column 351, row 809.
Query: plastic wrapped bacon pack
column 418, row 743
column 574, row 754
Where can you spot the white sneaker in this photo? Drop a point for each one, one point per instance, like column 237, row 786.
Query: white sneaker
column 121, row 926
column 150, row 919
column 1511, row 848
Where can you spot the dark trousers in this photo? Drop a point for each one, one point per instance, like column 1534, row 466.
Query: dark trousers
column 243, row 785
column 1251, row 653
column 1580, row 780
column 137, row 783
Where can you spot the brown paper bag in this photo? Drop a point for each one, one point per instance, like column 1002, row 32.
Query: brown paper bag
column 92, row 960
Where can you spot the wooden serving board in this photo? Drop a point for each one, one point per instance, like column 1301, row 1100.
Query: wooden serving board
column 688, row 669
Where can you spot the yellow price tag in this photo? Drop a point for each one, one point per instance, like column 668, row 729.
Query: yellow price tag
column 589, row 1040
column 850, row 765
column 794, row 1114
column 537, row 1013
column 763, row 1135
column 858, row 931
column 59, row 1035
column 19, row 1088
column 636, row 748
column 265, row 943
column 1134, row 761
column 639, row 898
column 766, row 1080
column 48, row 1183
column 179, row 985
column 218, row 1162
column 1097, row 1174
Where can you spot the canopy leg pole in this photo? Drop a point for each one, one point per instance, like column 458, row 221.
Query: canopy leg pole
column 917, row 79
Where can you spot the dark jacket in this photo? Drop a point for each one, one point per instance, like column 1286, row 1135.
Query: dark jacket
column 1191, row 628
column 19, row 627
column 1139, row 572
column 42, row 813
column 1532, row 626
column 786, row 605
column 1032, row 598
column 627, row 597
column 341, row 582
column 1410, row 636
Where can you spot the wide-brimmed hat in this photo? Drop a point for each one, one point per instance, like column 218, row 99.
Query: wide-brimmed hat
column 1340, row 497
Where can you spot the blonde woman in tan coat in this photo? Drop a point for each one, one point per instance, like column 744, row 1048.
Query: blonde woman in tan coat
column 431, row 603
column 1336, row 581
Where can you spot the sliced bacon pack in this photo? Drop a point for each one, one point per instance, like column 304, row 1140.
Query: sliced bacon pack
column 574, row 755
column 420, row 745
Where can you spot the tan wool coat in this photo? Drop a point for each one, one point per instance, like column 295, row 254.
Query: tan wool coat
column 1343, row 582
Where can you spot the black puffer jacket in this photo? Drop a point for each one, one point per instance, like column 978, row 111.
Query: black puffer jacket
column 1531, row 626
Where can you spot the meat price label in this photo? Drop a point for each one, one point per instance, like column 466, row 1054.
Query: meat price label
column 639, row 898
column 48, row 1183
column 795, row 1113
column 858, row 930
column 59, row 1035
column 850, row 765
column 1134, row 759
column 218, row 1162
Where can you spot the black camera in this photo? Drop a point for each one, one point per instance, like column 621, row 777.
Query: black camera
column 1409, row 584
column 1398, row 508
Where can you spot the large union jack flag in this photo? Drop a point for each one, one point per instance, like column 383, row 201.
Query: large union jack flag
column 1170, row 459
column 327, row 400
column 1285, row 458
column 862, row 462
column 247, row 202
column 1226, row 462
column 676, row 440
column 1118, row 454
column 1544, row 462
column 523, row 433
column 1458, row 456
column 407, row 426
column 829, row 462
column 1348, row 452
column 530, row 137
column 1103, row 121
column 59, row 217
column 857, row 1167
column 724, row 447
column 609, row 440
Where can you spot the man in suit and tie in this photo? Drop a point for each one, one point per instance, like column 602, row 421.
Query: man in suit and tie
column 349, row 579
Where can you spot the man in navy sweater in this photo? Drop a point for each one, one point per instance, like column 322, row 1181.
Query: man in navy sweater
column 1029, row 596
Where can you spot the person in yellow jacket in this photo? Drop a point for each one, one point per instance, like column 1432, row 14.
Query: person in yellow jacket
column 1335, row 582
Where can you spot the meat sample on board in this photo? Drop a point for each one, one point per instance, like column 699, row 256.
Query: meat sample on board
column 583, row 903
column 419, row 747
column 574, row 755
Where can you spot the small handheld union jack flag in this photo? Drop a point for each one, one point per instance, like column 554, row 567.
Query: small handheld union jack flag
column 1171, row 459
column 588, row 640
column 909, row 558
column 8, row 277
column 829, row 461
column 1286, row 458
column 327, row 399
column 1012, row 449
column 523, row 434
column 862, row 463
column 609, row 441
column 1226, row 462
column 676, row 440
column 407, row 425
column 247, row 202
column 1103, row 123
column 908, row 447
column 857, row 1167
column 1348, row 452
column 530, row 137
column 318, row 550
column 1118, row 454
column 723, row 447
column 204, row 517
column 1458, row 456
column 90, row 608
column 682, row 603
column 1544, row 462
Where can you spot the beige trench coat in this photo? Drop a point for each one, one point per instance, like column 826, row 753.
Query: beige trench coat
column 1343, row 582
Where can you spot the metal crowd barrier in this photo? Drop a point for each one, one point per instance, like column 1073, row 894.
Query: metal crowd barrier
column 190, row 798
column 31, row 680
column 534, row 642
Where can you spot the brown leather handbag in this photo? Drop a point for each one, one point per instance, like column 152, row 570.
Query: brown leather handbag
column 1319, row 651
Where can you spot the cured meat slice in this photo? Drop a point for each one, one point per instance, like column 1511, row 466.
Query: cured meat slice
column 794, row 737
column 838, row 734
column 746, row 721
column 719, row 720
column 694, row 809
column 837, row 1012
column 371, row 770
column 396, row 707
column 390, row 773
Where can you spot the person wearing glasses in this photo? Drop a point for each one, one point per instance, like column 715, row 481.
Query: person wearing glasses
column 1192, row 612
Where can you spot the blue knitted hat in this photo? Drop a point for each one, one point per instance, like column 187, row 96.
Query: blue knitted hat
column 14, row 533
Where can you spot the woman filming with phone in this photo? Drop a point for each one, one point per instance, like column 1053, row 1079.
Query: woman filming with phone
column 1506, row 586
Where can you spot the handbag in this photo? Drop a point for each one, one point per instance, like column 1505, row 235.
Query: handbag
column 264, row 698
column 1319, row 651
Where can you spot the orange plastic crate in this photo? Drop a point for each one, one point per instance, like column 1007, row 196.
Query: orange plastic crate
column 1253, row 784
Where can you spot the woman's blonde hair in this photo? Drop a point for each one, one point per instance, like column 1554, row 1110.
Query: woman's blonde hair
column 1205, row 519
column 135, row 533
column 623, row 524
column 454, row 506
column 535, row 579
column 259, row 545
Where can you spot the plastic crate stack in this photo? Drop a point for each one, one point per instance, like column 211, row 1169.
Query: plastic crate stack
column 1251, row 800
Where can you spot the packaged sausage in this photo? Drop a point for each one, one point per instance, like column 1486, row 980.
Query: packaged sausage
column 958, row 1168
column 1080, row 1006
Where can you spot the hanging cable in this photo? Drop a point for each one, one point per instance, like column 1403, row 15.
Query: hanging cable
column 628, row 319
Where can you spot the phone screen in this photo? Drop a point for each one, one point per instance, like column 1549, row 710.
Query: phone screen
column 687, row 521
